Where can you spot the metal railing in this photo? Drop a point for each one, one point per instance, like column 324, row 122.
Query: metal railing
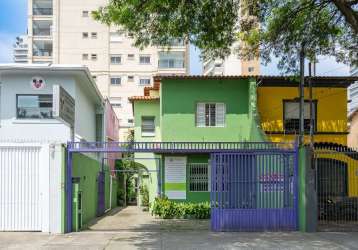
column 199, row 176
column 337, row 187
column 42, row 11
column 205, row 147
column 42, row 52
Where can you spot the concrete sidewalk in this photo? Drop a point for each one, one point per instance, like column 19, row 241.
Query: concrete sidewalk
column 130, row 228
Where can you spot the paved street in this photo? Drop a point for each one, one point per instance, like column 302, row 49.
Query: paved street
column 130, row 228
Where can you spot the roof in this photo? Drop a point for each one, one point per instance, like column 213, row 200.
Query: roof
column 267, row 80
column 48, row 68
column 143, row 98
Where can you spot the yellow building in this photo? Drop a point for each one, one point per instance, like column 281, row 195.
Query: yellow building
column 278, row 107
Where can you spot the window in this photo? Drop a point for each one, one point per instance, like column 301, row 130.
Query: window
column 199, row 177
column 148, row 126
column 251, row 69
column 210, row 115
column 84, row 56
column 116, row 59
column 144, row 59
column 94, row 56
column 115, row 80
column 42, row 48
column 34, row 106
column 116, row 102
column 130, row 35
column 116, row 36
column 84, row 35
column 291, row 116
column 94, row 78
column 42, row 28
column 94, row 35
column 130, row 121
column 85, row 13
column 168, row 60
column 130, row 78
column 144, row 81
column 130, row 56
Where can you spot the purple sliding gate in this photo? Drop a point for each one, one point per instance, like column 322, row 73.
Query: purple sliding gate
column 254, row 190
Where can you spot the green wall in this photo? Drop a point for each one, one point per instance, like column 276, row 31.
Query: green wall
column 178, row 106
column 146, row 108
column 190, row 196
column 86, row 169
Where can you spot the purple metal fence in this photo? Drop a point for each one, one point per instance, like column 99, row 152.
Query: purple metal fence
column 254, row 191
column 101, row 206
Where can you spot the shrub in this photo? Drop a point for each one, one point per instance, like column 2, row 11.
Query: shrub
column 145, row 196
column 167, row 209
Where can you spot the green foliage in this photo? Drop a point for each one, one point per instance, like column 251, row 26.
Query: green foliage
column 278, row 27
column 167, row 209
column 144, row 192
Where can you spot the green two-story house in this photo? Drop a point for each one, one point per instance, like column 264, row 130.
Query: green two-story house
column 191, row 109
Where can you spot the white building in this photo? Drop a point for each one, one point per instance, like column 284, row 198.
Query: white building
column 353, row 93
column 21, row 50
column 64, row 32
column 31, row 141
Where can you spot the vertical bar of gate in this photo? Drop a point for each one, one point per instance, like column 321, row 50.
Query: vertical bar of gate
column 69, row 190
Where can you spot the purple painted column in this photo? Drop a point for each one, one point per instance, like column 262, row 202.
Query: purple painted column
column 69, row 190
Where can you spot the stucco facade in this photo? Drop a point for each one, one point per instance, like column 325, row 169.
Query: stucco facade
column 173, row 105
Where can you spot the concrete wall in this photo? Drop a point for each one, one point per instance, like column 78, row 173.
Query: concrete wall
column 49, row 129
column 178, row 104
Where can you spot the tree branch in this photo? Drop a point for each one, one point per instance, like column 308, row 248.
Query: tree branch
column 350, row 15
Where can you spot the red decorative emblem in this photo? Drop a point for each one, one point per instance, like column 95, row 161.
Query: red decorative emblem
column 37, row 82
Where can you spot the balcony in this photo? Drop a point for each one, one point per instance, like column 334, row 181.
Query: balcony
column 42, row 8
column 42, row 48
column 42, row 28
column 171, row 60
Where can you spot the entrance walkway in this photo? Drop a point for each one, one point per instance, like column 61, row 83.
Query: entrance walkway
column 133, row 219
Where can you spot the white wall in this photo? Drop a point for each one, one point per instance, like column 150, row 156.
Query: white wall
column 51, row 130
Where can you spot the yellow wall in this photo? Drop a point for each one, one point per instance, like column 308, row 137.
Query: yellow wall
column 331, row 112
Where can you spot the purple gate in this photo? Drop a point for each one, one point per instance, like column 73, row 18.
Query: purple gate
column 101, row 193
column 254, row 190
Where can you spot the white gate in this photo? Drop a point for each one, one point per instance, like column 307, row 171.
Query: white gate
column 24, row 187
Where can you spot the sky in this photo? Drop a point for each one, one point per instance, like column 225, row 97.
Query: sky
column 13, row 22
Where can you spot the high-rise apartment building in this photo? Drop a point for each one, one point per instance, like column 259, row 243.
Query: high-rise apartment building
column 232, row 64
column 63, row 32
column 20, row 51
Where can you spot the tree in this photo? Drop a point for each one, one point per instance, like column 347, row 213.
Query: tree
column 266, row 27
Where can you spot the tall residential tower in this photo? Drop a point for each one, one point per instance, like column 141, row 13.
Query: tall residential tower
column 63, row 32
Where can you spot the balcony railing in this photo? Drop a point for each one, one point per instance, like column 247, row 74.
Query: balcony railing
column 42, row 32
column 42, row 11
column 176, row 147
column 170, row 64
column 42, row 52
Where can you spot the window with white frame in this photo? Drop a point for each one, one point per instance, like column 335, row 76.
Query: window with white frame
column 210, row 114
column 116, row 102
column 84, row 56
column 148, row 126
column 84, row 35
column 292, row 116
column 116, row 59
column 199, row 177
column 144, row 81
column 115, row 80
column 116, row 36
column 130, row 56
column 94, row 57
column 144, row 59
column 34, row 106
column 94, row 35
